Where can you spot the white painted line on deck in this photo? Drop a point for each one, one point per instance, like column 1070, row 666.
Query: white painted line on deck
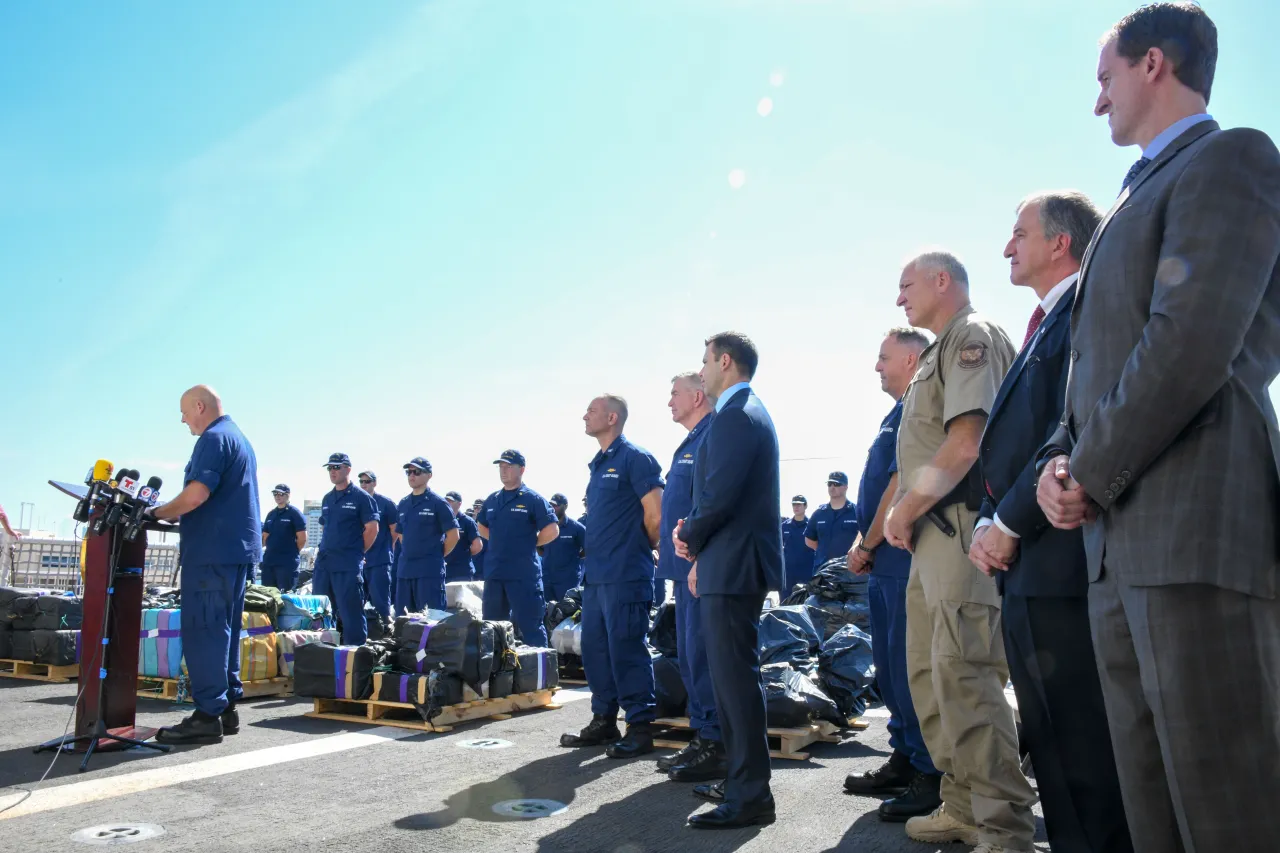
column 79, row 793
column 571, row 696
column 875, row 712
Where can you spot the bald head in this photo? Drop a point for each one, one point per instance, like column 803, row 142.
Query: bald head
column 200, row 407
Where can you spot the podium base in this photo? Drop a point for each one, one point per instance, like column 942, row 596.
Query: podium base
column 105, row 740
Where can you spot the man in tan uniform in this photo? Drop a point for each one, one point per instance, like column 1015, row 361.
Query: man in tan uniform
column 955, row 652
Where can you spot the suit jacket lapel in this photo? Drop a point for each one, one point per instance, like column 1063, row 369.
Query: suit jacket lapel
column 1057, row 315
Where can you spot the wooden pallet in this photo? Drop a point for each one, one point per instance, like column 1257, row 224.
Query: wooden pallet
column 783, row 743
column 29, row 671
column 375, row 712
column 167, row 688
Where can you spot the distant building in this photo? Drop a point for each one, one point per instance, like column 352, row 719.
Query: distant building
column 311, row 510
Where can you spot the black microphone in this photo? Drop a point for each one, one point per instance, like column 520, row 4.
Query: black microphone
column 126, row 487
column 147, row 497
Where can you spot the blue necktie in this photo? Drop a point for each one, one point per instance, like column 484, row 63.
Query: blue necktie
column 1134, row 171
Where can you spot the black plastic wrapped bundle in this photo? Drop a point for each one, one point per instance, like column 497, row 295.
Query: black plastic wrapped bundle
column 789, row 635
column 501, row 684
column 23, row 646
column 504, row 647
column 46, row 613
column 334, row 672
column 846, row 671
column 662, row 635
column 425, row 646
column 56, row 648
column 6, row 642
column 539, row 670
column 669, row 690
column 793, row 700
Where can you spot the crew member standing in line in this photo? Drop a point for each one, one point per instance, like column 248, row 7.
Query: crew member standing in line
column 834, row 525
column 908, row 777
column 625, row 490
column 221, row 541
column 797, row 556
column 704, row 758
column 428, row 533
column 349, row 518
column 516, row 521
column 562, row 557
column 955, row 652
column 284, row 535
column 457, row 563
column 478, row 557
column 734, row 541
column 380, row 558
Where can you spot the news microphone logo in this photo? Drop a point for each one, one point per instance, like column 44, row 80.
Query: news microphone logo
column 128, row 485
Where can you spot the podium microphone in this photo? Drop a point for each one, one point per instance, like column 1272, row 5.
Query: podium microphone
column 147, row 497
column 126, row 487
column 96, row 480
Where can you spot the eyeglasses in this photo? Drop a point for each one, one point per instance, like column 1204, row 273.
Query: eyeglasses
column 365, row 482
column 334, row 467
column 413, row 472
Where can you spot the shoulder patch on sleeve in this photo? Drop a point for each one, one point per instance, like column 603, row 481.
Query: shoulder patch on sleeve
column 972, row 355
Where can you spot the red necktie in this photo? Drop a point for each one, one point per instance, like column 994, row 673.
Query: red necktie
column 1037, row 317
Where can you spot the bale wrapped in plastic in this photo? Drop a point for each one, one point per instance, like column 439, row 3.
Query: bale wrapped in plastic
column 46, row 613
column 287, row 643
column 443, row 689
column 263, row 599
column 669, row 690
column 400, row 687
column 6, row 642
column 22, row 646
column 501, row 684
column 334, row 672
column 793, row 700
column 160, row 643
column 429, row 615
column 425, row 646
column 567, row 638
column 504, row 647
column 788, row 635
column 662, row 634
column 8, row 595
column 56, row 648
column 539, row 669
column 305, row 613
column 259, row 658
column 846, row 671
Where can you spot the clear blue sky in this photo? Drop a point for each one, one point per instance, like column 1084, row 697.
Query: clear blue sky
column 441, row 228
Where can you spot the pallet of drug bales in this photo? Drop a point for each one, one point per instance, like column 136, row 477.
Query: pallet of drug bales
column 29, row 671
column 167, row 688
column 375, row 712
column 783, row 743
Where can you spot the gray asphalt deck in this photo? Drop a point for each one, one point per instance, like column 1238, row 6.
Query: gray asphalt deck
column 421, row 792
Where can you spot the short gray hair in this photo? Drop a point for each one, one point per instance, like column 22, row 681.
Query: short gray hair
column 942, row 261
column 617, row 405
column 692, row 377
column 1067, row 212
column 908, row 335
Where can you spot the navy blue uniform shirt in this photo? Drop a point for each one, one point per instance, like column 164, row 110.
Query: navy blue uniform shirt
column 379, row 553
column 618, row 548
column 343, row 515
column 226, row 527
column 424, row 521
column 797, row 558
column 677, row 501
column 882, row 462
column 561, row 558
column 514, row 517
column 835, row 531
column 459, row 560
column 282, row 527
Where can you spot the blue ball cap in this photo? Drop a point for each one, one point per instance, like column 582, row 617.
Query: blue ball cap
column 453, row 496
column 281, row 488
column 419, row 462
column 338, row 459
column 511, row 457
column 799, row 499
column 840, row 478
column 559, row 500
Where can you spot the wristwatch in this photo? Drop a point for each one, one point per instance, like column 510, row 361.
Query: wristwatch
column 870, row 552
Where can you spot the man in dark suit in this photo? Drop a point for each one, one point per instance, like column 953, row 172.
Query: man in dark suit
column 1041, row 570
column 734, row 541
column 1168, row 452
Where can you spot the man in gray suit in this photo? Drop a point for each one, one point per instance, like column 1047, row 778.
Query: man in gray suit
column 1168, row 453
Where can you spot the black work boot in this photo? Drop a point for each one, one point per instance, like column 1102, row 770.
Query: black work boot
column 686, row 752
column 599, row 731
column 708, row 764
column 889, row 779
column 637, row 741
column 921, row 798
column 199, row 728
column 230, row 721
column 713, row 792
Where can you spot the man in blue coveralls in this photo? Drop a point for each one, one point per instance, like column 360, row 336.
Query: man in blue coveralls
column 516, row 521
column 457, row 563
column 284, row 535
column 704, row 758
column 562, row 557
column 909, row 776
column 379, row 558
column 834, row 525
column 428, row 532
column 349, row 518
column 797, row 556
column 221, row 541
column 625, row 494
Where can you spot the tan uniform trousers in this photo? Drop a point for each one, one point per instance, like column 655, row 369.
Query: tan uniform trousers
column 957, row 672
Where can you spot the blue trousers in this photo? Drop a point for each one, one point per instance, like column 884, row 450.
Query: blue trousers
column 521, row 604
column 413, row 595
column 283, row 578
column 889, row 653
column 615, row 627
column 346, row 591
column 555, row 587
column 377, row 587
column 694, row 671
column 212, row 605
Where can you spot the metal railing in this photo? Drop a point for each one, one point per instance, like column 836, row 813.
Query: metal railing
column 55, row 564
